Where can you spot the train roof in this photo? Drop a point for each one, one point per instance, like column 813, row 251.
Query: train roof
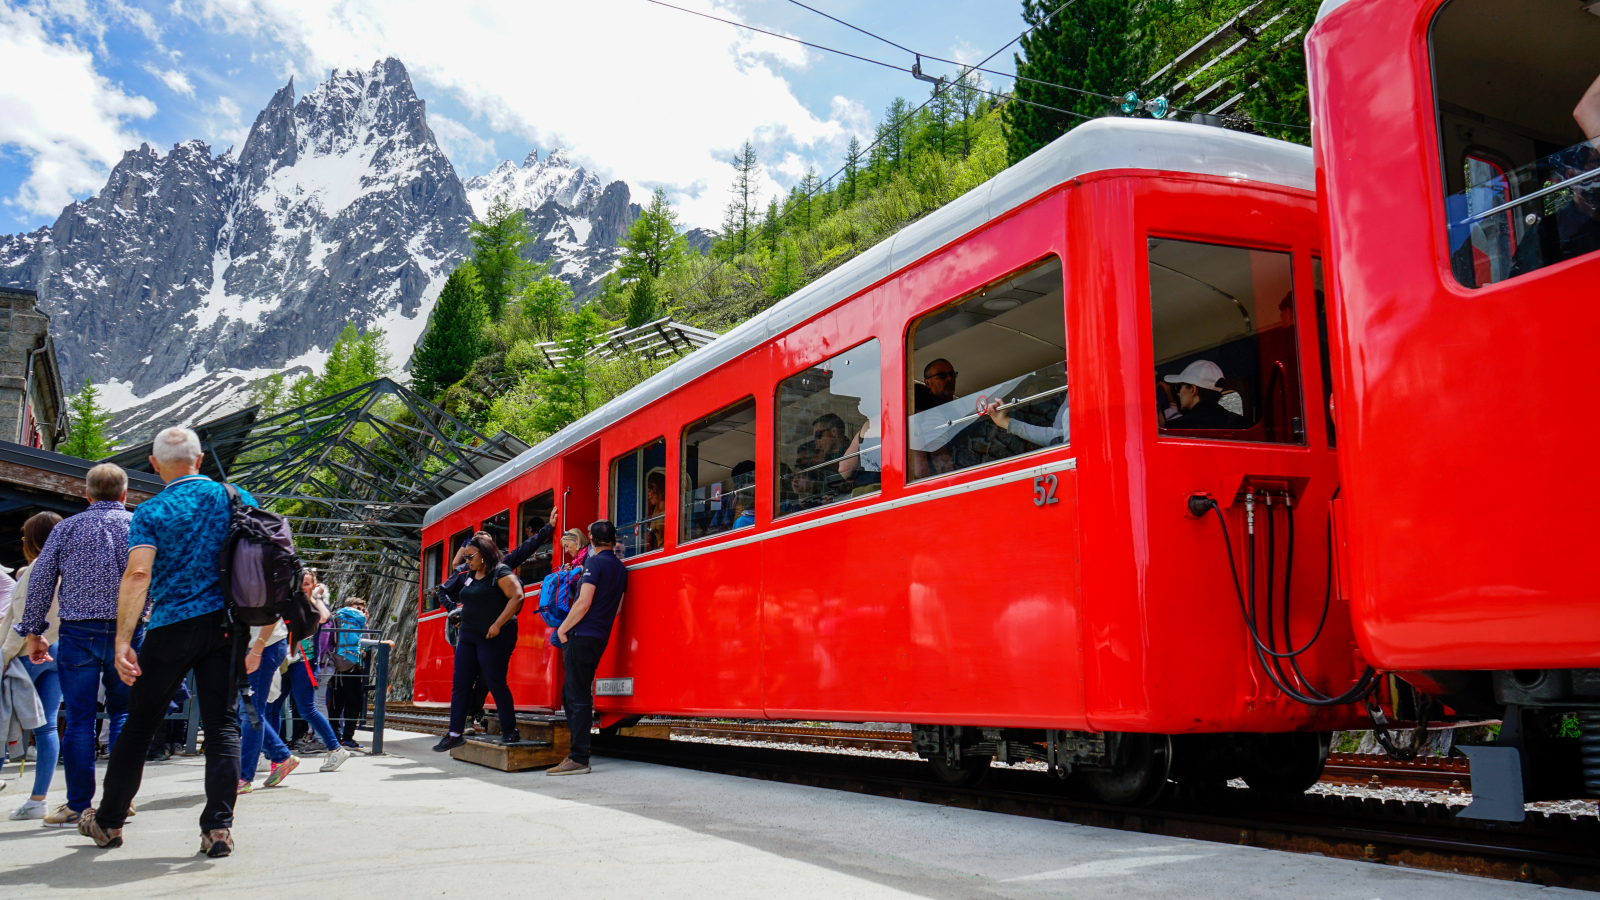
column 1101, row 145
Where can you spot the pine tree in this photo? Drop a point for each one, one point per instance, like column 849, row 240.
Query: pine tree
column 497, row 244
column 454, row 339
column 741, row 214
column 1100, row 46
column 643, row 305
column 86, row 438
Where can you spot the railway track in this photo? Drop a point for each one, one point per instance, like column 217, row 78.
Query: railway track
column 1371, row 770
column 1554, row 850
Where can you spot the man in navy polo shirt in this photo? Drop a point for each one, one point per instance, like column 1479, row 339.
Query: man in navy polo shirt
column 582, row 638
column 173, row 545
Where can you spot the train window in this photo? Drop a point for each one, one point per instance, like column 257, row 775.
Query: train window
column 499, row 528
column 456, row 540
column 828, row 431
column 1222, row 322
column 719, row 472
column 432, row 572
column 639, row 498
column 532, row 516
column 1518, row 92
column 1008, row 341
column 1322, row 347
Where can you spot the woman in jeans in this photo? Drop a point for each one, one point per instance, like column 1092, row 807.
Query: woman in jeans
column 269, row 648
column 46, row 683
column 488, row 635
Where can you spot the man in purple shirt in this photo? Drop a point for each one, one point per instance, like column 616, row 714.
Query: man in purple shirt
column 82, row 563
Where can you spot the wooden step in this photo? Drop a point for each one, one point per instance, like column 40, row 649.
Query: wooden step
column 543, row 744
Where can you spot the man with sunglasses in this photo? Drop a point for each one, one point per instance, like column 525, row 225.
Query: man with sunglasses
column 940, row 377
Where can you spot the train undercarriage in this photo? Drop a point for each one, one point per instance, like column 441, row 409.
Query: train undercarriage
column 1129, row 768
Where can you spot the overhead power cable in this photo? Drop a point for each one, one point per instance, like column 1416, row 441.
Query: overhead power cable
column 1012, row 75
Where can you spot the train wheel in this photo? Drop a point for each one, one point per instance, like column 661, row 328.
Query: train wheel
column 1288, row 763
column 1140, row 776
column 968, row 774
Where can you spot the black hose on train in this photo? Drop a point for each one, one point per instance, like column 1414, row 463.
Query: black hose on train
column 1266, row 651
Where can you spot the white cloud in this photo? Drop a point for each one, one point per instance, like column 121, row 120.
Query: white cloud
column 459, row 142
column 226, row 124
column 663, row 101
column 68, row 119
column 175, row 80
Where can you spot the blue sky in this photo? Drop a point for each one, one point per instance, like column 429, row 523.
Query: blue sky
column 634, row 91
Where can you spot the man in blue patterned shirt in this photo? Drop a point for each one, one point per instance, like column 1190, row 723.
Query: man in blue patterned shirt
column 173, row 546
column 83, row 560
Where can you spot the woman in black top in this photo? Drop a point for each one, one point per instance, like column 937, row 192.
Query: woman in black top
column 488, row 635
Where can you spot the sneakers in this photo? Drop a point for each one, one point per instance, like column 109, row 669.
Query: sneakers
column 246, row 787
column 448, row 742
column 32, row 809
column 350, row 744
column 568, row 767
column 217, row 843
column 335, row 760
column 89, row 828
column 280, row 771
column 513, row 738
column 63, row 817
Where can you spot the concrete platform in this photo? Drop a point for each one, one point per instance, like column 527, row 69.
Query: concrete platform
column 417, row 824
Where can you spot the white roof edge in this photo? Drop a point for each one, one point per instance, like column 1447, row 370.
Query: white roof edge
column 1328, row 6
column 1098, row 146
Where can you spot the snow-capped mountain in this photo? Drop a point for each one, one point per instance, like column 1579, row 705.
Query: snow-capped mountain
column 190, row 276
column 577, row 222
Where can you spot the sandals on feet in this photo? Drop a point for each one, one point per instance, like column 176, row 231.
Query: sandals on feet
column 89, row 828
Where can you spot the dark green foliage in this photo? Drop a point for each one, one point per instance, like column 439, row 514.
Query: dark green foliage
column 454, row 339
column 642, row 303
column 497, row 244
column 1095, row 46
column 86, row 438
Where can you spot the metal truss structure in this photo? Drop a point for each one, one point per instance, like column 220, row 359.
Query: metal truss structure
column 652, row 340
column 355, row 472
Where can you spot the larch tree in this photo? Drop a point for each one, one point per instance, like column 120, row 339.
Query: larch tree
column 742, row 212
column 454, row 339
column 497, row 244
column 86, row 437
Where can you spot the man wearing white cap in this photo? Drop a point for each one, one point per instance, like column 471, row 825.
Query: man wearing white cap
column 1199, row 399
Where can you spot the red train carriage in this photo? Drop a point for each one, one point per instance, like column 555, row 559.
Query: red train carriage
column 880, row 500
column 1461, row 189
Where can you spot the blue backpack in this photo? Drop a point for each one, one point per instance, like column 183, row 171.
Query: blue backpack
column 556, row 593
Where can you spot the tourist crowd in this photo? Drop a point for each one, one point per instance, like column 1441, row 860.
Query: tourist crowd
column 118, row 620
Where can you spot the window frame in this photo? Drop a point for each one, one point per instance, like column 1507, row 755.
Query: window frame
column 685, row 493
column 777, row 415
column 436, row 579
column 909, row 377
column 641, row 478
column 483, row 526
column 1229, row 243
column 521, row 521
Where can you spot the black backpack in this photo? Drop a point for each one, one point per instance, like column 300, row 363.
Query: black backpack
column 260, row 572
